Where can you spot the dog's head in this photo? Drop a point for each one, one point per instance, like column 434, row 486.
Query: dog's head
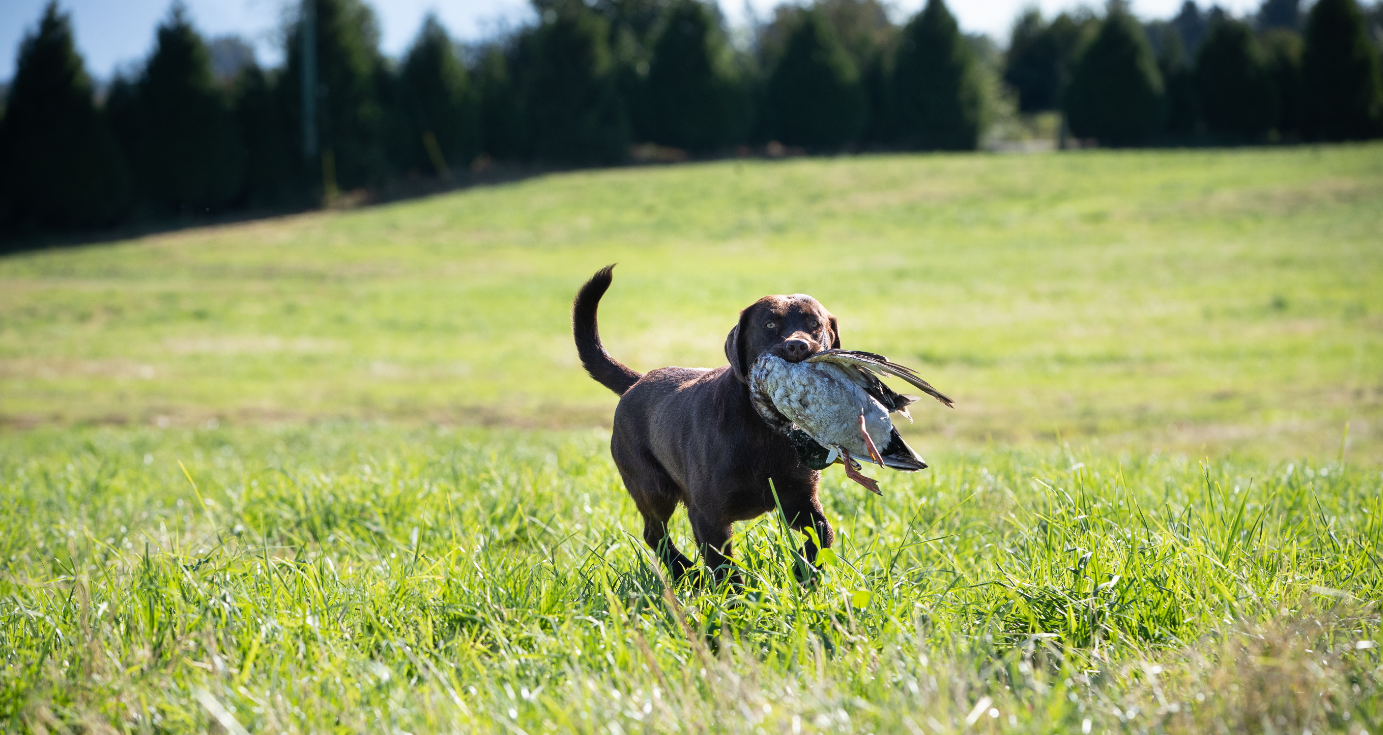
column 791, row 327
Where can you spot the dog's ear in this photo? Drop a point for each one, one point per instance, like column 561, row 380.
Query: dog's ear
column 734, row 351
column 835, row 332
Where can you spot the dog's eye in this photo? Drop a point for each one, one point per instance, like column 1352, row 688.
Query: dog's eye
column 816, row 325
column 771, row 325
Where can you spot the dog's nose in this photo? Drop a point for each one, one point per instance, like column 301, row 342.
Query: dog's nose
column 797, row 349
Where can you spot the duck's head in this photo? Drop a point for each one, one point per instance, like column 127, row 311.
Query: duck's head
column 791, row 327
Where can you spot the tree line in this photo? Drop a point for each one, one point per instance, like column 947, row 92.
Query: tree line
column 592, row 77
column 1205, row 78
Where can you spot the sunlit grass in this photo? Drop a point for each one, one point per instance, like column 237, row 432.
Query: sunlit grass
column 1202, row 301
column 353, row 577
column 1156, row 507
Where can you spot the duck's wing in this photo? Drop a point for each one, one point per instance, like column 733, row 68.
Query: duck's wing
column 890, row 399
column 868, row 362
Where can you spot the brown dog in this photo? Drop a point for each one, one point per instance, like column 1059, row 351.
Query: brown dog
column 690, row 435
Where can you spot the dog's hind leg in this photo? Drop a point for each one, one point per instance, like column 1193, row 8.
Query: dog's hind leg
column 656, row 496
column 656, row 515
column 713, row 537
column 656, row 534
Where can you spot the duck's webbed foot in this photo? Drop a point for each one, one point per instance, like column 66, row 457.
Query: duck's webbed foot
column 869, row 483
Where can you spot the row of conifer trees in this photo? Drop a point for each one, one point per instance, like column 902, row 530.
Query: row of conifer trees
column 1198, row 79
column 594, row 76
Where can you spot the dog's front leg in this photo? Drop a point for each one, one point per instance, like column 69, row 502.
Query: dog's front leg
column 713, row 537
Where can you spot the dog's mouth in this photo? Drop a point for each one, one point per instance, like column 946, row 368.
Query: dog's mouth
column 794, row 350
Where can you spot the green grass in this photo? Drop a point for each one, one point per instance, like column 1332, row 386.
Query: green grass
column 341, row 472
column 356, row 578
column 1201, row 301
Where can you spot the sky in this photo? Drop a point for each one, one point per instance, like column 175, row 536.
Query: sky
column 117, row 34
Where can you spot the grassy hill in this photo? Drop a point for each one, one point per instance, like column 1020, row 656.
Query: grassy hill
column 1199, row 301
column 340, row 472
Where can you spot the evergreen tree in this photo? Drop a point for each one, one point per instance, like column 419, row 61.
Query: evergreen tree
column 1182, row 96
column 1283, row 51
column 937, row 87
column 503, row 127
column 1279, row 14
column 352, row 90
column 870, row 38
column 862, row 26
column 634, row 26
column 1237, row 97
column 1030, row 66
column 60, row 167
column 880, row 118
column 814, row 97
column 694, row 97
column 186, row 152
column 124, row 116
column 1373, row 20
column 273, row 166
column 442, row 107
column 574, row 110
column 1041, row 56
column 1192, row 26
column 1340, row 68
column 229, row 55
column 1116, row 92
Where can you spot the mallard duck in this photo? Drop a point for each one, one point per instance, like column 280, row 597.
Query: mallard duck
column 834, row 408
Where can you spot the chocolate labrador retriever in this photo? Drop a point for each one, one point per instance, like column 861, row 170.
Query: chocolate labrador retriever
column 691, row 436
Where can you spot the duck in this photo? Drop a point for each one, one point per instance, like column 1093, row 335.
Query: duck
column 833, row 408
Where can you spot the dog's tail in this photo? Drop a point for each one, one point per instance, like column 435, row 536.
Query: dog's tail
column 605, row 369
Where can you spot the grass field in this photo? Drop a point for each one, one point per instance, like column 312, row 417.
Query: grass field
column 341, row 472
column 1198, row 301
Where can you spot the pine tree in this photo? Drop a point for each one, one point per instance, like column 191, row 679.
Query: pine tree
column 1283, row 51
column 814, row 97
column 575, row 114
column 693, row 94
column 1340, row 68
column 1116, row 91
column 1030, row 66
column 937, row 87
column 273, row 166
column 353, row 85
column 60, row 167
column 1237, row 97
column 187, row 155
column 1191, row 25
column 503, row 127
column 866, row 32
column 1041, row 56
column 442, row 106
column 1182, row 96
column 1279, row 14
column 862, row 26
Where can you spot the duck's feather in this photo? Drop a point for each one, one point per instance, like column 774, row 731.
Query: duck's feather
column 868, row 362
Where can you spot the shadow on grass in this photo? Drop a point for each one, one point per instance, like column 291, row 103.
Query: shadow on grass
column 401, row 190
